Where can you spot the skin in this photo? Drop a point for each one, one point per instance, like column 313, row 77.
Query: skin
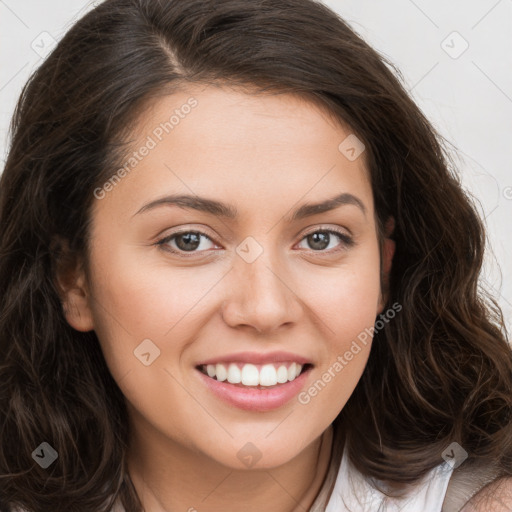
column 495, row 497
column 265, row 155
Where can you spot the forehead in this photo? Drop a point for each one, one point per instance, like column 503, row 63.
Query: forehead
column 225, row 141
column 224, row 114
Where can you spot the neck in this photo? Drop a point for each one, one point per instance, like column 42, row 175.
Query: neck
column 168, row 477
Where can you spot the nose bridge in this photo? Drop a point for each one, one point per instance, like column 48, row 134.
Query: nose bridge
column 260, row 296
column 259, row 271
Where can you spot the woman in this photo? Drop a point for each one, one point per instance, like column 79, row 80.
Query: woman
column 237, row 272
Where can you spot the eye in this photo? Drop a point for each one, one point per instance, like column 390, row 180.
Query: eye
column 323, row 239
column 193, row 242
column 186, row 241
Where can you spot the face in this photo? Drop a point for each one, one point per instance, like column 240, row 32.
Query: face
column 241, row 270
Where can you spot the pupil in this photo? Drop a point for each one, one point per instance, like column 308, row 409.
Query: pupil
column 319, row 240
column 191, row 241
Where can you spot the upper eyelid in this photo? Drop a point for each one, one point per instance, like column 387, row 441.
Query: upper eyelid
column 306, row 231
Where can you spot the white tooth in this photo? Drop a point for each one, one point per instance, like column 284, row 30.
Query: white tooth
column 299, row 369
column 220, row 371
column 292, row 371
column 250, row 375
column 268, row 375
column 234, row 374
column 282, row 374
column 210, row 369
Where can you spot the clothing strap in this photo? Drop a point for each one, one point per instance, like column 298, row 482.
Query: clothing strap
column 465, row 482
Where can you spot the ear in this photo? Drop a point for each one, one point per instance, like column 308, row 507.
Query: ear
column 71, row 284
column 388, row 251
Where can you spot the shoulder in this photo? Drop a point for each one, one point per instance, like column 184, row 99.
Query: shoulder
column 494, row 497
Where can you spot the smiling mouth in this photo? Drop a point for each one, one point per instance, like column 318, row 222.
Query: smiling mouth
column 266, row 376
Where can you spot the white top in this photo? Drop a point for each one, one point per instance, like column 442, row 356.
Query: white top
column 353, row 492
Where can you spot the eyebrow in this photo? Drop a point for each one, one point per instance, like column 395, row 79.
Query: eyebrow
column 219, row 209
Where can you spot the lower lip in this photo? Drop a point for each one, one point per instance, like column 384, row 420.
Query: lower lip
column 252, row 399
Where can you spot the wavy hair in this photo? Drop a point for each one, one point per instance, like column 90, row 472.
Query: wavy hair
column 441, row 371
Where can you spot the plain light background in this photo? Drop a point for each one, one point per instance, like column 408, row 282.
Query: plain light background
column 456, row 60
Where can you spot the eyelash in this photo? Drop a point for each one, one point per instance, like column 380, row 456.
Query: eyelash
column 347, row 241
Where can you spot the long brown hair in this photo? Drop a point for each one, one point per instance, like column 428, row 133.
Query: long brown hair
column 440, row 372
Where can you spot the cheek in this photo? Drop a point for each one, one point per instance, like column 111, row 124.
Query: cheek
column 134, row 302
column 136, row 299
column 348, row 308
column 346, row 300
column 141, row 295
column 346, row 297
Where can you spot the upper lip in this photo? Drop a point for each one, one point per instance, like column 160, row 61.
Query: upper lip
column 256, row 358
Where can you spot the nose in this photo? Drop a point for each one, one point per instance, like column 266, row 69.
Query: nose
column 262, row 295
